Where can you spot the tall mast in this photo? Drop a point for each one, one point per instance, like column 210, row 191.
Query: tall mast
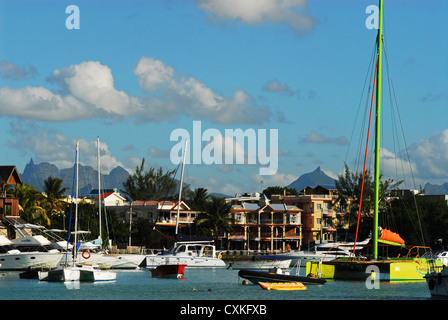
column 75, row 246
column 181, row 183
column 99, row 183
column 377, row 130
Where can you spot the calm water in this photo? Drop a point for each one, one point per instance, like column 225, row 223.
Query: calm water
column 198, row 284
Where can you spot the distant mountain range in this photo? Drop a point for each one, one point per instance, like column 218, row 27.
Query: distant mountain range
column 433, row 189
column 35, row 174
column 318, row 177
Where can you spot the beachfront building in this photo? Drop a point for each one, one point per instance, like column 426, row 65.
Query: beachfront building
column 9, row 202
column 263, row 226
column 321, row 215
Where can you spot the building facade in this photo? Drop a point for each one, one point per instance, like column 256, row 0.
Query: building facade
column 263, row 226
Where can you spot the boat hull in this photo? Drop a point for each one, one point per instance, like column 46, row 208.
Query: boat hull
column 169, row 271
column 28, row 260
column 76, row 273
column 438, row 283
column 256, row 276
column 385, row 270
column 122, row 261
column 154, row 261
column 261, row 264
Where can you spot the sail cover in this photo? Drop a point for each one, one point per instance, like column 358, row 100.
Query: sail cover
column 391, row 238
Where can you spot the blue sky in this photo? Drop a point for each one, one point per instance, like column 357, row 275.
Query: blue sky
column 135, row 71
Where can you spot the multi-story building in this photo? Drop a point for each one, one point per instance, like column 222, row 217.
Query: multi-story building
column 321, row 216
column 262, row 225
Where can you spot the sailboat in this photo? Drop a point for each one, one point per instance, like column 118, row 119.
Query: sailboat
column 191, row 253
column 113, row 261
column 76, row 271
column 384, row 269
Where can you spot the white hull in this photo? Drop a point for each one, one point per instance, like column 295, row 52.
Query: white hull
column 77, row 273
column 27, row 260
column 153, row 261
column 122, row 261
column 304, row 256
column 83, row 258
column 261, row 264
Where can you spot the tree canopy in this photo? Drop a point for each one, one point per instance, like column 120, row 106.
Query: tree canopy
column 149, row 184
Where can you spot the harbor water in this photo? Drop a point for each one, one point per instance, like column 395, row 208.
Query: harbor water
column 199, row 284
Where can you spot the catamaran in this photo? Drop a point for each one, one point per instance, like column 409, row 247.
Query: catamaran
column 76, row 271
column 388, row 269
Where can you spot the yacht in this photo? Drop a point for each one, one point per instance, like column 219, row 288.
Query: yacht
column 27, row 253
column 192, row 254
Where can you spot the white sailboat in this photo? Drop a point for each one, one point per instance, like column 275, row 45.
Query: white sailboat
column 112, row 261
column 76, row 272
column 190, row 253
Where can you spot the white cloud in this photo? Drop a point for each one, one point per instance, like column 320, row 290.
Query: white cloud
column 58, row 149
column 279, row 179
column 292, row 13
column 87, row 91
column 275, row 87
column 315, row 137
column 181, row 94
column 11, row 71
column 431, row 158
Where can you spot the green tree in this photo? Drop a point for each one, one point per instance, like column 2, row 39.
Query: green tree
column 280, row 190
column 30, row 205
column 54, row 193
column 197, row 199
column 150, row 184
column 349, row 186
column 215, row 219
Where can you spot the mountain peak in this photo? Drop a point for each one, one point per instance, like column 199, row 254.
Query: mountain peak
column 35, row 174
column 312, row 179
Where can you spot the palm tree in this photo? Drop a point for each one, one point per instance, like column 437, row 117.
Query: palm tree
column 30, row 205
column 198, row 199
column 215, row 218
column 54, row 193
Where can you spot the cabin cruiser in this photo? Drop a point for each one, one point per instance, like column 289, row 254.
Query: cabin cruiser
column 27, row 253
column 325, row 251
column 193, row 254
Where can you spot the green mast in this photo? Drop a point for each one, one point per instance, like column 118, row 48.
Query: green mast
column 377, row 130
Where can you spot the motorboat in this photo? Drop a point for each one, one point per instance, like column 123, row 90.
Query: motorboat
column 437, row 281
column 277, row 275
column 263, row 262
column 192, row 254
column 327, row 251
column 17, row 256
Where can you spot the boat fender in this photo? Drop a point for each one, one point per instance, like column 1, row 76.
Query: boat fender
column 86, row 254
column 219, row 256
